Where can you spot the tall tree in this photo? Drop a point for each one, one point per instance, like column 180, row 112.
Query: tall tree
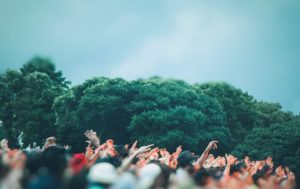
column 26, row 101
column 238, row 106
column 123, row 110
column 97, row 104
column 170, row 112
column 45, row 65
column 11, row 83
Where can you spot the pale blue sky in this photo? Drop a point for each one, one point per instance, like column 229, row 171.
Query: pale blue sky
column 252, row 44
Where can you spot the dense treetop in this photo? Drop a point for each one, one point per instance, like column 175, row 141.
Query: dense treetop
column 37, row 101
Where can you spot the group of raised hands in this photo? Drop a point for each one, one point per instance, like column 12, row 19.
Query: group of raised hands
column 144, row 154
column 96, row 149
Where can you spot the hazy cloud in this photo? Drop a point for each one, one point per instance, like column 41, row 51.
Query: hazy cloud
column 253, row 45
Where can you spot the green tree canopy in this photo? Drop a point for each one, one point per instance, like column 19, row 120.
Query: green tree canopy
column 238, row 106
column 280, row 141
column 171, row 112
column 125, row 111
column 97, row 104
column 37, row 102
column 44, row 65
column 27, row 98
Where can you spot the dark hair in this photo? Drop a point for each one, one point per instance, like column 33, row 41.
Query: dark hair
column 4, row 169
column 54, row 159
column 185, row 159
column 201, row 176
column 34, row 162
column 78, row 181
column 121, row 150
column 162, row 179
column 260, row 174
column 237, row 167
column 116, row 162
column 154, row 161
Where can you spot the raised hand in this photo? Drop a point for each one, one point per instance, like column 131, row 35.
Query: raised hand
column 220, row 161
column 89, row 151
column 291, row 176
column 280, row 171
column 4, row 144
column 111, row 152
column 212, row 145
column 92, row 136
column 126, row 162
column 178, row 150
column 67, row 147
column 247, row 160
column 133, row 148
column 203, row 157
column 110, row 143
column 269, row 161
column 230, row 159
column 173, row 162
column 164, row 153
column 143, row 149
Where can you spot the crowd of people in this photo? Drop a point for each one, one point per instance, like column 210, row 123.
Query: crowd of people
column 110, row 166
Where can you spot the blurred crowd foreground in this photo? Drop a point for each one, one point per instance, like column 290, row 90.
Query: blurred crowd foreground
column 110, row 166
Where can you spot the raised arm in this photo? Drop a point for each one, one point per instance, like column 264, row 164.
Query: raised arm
column 126, row 162
column 201, row 160
column 230, row 159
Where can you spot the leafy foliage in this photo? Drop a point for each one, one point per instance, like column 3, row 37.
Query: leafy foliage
column 280, row 141
column 26, row 102
column 171, row 113
column 43, row 65
column 238, row 106
column 38, row 102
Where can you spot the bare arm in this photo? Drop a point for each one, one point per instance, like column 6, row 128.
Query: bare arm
column 203, row 157
column 126, row 162
column 230, row 161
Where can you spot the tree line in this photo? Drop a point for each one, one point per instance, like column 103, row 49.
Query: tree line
column 37, row 102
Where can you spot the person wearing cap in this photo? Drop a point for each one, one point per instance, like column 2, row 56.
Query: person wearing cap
column 102, row 176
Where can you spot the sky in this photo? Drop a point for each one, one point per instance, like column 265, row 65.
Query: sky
column 252, row 44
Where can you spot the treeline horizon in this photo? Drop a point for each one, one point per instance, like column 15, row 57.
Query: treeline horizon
column 37, row 101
